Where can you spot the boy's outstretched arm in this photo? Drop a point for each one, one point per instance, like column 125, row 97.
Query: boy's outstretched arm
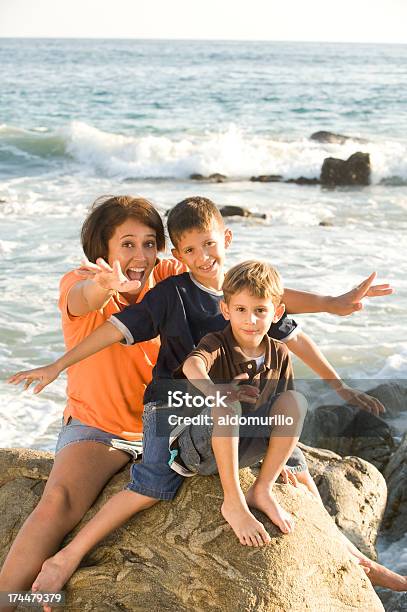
column 102, row 337
column 342, row 305
column 311, row 355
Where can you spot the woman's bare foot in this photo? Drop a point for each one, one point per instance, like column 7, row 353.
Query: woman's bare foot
column 262, row 498
column 248, row 529
column 55, row 572
column 384, row 577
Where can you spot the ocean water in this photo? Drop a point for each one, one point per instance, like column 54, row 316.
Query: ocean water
column 82, row 118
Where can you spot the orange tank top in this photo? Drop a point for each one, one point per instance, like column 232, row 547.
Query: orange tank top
column 106, row 389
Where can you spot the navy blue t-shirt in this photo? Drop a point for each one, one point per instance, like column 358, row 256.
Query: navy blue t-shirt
column 181, row 311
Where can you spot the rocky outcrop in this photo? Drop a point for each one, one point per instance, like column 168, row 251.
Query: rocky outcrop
column 216, row 177
column 393, row 397
column 330, row 137
column 303, row 180
column 266, row 178
column 240, row 211
column 277, row 178
column 395, row 523
column 183, row 556
column 346, row 430
column 354, row 493
column 353, row 171
column 393, row 602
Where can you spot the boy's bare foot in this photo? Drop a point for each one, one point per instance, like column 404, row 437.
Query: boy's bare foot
column 55, row 572
column 248, row 529
column 263, row 499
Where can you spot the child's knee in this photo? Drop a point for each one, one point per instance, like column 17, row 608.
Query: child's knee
column 293, row 404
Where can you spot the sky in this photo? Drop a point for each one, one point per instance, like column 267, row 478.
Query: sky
column 380, row 21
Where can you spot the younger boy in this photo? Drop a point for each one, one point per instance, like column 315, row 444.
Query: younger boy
column 252, row 302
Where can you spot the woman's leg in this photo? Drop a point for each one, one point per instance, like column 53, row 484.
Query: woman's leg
column 79, row 473
column 57, row 570
column 378, row 574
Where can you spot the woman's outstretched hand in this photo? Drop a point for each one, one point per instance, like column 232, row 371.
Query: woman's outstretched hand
column 44, row 376
column 108, row 277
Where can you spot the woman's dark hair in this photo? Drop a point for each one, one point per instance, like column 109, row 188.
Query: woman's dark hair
column 107, row 213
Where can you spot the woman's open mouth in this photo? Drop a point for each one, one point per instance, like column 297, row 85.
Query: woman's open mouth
column 135, row 274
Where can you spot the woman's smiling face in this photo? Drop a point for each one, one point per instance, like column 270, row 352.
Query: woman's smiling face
column 134, row 245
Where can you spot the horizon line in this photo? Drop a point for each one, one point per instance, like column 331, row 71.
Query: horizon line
column 181, row 39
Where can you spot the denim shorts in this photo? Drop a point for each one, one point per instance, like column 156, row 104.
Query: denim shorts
column 75, row 431
column 196, row 453
column 152, row 476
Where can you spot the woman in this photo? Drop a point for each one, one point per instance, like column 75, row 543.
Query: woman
column 121, row 238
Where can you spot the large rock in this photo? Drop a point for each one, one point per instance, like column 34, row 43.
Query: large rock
column 354, row 171
column 393, row 397
column 346, row 430
column 393, row 602
column 182, row 556
column 395, row 521
column 354, row 493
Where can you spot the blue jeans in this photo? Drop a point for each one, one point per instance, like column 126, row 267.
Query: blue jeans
column 153, row 476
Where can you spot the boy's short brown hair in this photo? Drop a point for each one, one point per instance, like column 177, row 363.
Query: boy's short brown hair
column 192, row 213
column 107, row 213
column 259, row 278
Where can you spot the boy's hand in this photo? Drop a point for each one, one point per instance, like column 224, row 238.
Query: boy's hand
column 106, row 276
column 351, row 301
column 44, row 375
column 288, row 477
column 243, row 393
column 362, row 400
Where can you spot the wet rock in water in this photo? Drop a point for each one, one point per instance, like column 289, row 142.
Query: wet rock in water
column 393, row 602
column 240, row 211
column 303, row 180
column 182, row 556
column 346, row 430
column 393, row 397
column 266, row 178
column 216, row 177
column 326, row 224
column 330, row 137
column 353, row 171
column 395, row 520
column 354, row 493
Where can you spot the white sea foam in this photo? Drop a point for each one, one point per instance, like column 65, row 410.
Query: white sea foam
column 394, row 555
column 232, row 152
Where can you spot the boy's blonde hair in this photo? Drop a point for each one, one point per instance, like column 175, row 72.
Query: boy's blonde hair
column 257, row 277
column 192, row 213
